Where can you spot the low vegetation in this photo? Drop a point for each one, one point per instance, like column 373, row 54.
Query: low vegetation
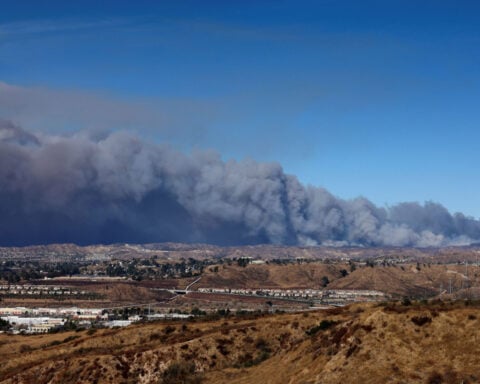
column 425, row 342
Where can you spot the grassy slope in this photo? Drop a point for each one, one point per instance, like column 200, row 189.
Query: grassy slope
column 367, row 344
column 405, row 280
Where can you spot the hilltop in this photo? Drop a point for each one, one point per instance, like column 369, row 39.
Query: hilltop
column 375, row 343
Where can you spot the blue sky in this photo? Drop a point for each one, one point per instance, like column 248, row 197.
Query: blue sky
column 372, row 98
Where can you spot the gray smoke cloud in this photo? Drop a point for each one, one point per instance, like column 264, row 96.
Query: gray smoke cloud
column 117, row 188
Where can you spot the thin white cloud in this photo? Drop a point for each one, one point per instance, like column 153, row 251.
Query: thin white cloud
column 33, row 27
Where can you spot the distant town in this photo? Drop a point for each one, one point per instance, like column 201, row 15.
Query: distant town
column 62, row 287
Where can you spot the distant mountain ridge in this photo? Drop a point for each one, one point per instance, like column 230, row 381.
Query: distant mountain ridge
column 68, row 252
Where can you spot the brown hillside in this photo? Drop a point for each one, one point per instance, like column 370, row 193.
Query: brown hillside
column 270, row 276
column 391, row 343
column 400, row 280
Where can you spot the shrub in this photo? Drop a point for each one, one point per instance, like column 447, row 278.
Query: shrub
column 157, row 336
column 351, row 350
column 264, row 355
column 70, row 338
column 197, row 312
column 245, row 360
column 324, row 324
column 338, row 335
column 262, row 344
column 435, row 378
column 248, row 361
column 25, row 348
column 325, row 281
column 368, row 327
column 406, row 301
column 247, row 339
column 421, row 320
column 222, row 346
column 181, row 372
column 4, row 324
column 283, row 338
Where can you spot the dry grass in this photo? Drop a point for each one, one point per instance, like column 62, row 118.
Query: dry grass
column 368, row 344
column 271, row 275
column 400, row 280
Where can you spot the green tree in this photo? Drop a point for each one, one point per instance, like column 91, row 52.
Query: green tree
column 4, row 325
column 325, row 281
column 353, row 266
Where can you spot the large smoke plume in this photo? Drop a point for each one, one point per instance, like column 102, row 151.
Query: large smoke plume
column 119, row 189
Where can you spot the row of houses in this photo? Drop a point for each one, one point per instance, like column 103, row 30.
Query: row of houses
column 71, row 312
column 38, row 290
column 316, row 294
column 342, row 296
column 265, row 292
